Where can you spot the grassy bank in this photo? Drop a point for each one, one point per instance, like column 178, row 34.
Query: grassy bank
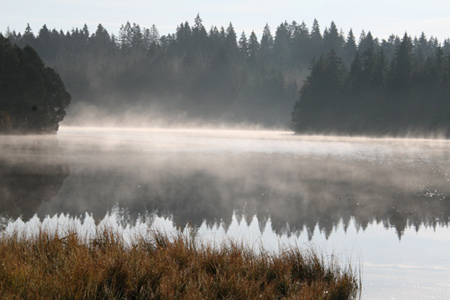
column 50, row 266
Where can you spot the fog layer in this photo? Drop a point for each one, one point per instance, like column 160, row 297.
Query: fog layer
column 204, row 175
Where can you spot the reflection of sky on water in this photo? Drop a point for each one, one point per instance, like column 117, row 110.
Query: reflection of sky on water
column 417, row 267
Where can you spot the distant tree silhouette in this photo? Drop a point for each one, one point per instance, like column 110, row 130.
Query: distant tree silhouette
column 376, row 96
column 253, row 50
column 32, row 97
column 402, row 65
column 281, row 46
column 316, row 45
column 350, row 47
column 332, row 39
column 266, row 44
column 217, row 76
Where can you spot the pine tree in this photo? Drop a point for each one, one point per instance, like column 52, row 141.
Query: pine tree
column 253, row 49
column 199, row 35
column 266, row 43
column 300, row 42
column 316, row 40
column 366, row 42
column 125, row 36
column 243, row 47
column 319, row 107
column 332, row 39
column 401, row 66
column 281, row 46
column 231, row 42
column 100, row 41
column 350, row 48
column 28, row 36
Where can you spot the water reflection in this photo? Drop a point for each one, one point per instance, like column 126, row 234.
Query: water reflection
column 394, row 183
column 265, row 187
column 298, row 184
column 32, row 171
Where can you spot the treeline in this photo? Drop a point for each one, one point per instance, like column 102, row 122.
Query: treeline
column 214, row 75
column 33, row 98
column 377, row 94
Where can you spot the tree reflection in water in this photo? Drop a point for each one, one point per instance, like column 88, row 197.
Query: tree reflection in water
column 397, row 186
column 192, row 180
column 295, row 192
column 32, row 171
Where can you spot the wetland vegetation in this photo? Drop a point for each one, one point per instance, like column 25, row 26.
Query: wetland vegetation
column 159, row 266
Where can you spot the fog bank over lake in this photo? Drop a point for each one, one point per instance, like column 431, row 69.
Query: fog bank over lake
column 383, row 202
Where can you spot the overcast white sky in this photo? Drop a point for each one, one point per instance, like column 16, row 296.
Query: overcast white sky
column 381, row 17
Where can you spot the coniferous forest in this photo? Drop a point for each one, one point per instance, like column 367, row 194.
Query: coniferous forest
column 313, row 80
column 408, row 93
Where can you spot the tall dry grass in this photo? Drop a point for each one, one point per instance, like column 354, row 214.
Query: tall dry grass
column 51, row 266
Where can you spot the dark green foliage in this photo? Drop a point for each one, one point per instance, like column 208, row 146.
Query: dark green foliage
column 321, row 94
column 407, row 94
column 350, row 47
column 333, row 40
column 213, row 76
column 32, row 97
column 218, row 76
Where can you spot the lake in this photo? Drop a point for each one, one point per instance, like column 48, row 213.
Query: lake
column 381, row 204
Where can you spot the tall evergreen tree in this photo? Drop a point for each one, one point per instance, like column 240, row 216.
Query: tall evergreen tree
column 243, row 47
column 350, row 47
column 253, row 50
column 332, row 39
column 266, row 43
column 28, row 36
column 281, row 46
column 199, row 35
column 125, row 36
column 231, row 42
column 319, row 106
column 300, row 42
column 401, row 66
column 366, row 41
column 100, row 42
column 316, row 39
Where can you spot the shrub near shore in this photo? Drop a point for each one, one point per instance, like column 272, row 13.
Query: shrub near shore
column 51, row 266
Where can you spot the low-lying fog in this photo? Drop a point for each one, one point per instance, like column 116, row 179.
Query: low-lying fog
column 305, row 187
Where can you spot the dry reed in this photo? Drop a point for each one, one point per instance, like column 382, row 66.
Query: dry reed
column 50, row 266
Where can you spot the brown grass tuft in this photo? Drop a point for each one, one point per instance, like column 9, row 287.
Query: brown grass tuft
column 49, row 266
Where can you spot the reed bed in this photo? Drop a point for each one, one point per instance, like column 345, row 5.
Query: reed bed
column 158, row 266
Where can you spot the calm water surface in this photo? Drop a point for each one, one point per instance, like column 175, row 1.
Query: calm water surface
column 381, row 204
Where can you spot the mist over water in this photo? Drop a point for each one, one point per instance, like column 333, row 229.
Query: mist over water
column 343, row 194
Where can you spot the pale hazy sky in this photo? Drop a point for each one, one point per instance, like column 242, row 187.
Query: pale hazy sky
column 381, row 17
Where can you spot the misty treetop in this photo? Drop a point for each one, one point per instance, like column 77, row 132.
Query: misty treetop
column 215, row 74
column 409, row 93
column 32, row 97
